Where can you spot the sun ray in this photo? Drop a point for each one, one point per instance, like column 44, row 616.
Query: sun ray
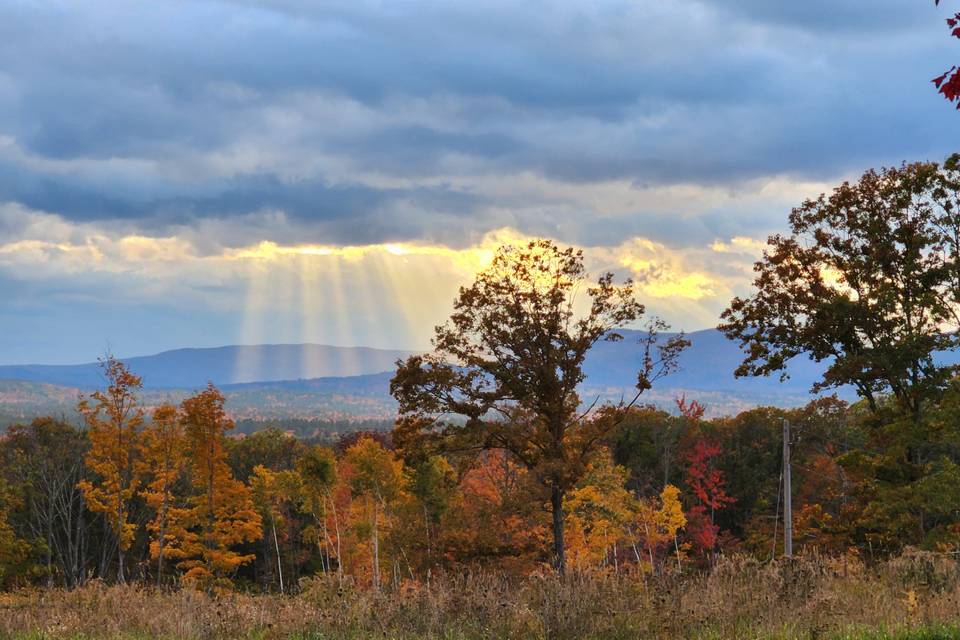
column 247, row 362
column 309, row 319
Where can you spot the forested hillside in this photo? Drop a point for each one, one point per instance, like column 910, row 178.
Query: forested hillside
column 283, row 389
column 193, row 368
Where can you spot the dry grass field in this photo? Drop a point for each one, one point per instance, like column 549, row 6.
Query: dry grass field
column 914, row 596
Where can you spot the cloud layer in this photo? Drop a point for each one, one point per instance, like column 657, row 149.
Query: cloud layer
column 143, row 142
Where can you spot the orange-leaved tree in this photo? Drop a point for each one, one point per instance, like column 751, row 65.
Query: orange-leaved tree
column 113, row 418
column 377, row 480
column 163, row 464
column 498, row 518
column 221, row 513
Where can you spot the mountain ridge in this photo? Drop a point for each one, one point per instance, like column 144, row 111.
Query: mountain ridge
column 708, row 363
column 280, row 381
column 229, row 364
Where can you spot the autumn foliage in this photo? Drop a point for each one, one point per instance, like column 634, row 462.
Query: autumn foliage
column 707, row 486
column 113, row 418
column 948, row 83
column 220, row 514
column 269, row 511
column 509, row 361
column 164, row 461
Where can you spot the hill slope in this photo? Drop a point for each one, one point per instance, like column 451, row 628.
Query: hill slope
column 316, row 381
column 707, row 364
column 188, row 368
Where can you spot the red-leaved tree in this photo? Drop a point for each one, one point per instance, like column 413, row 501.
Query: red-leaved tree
column 692, row 410
column 707, row 483
column 948, row 83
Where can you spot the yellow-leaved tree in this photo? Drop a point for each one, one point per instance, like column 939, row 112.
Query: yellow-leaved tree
column 318, row 476
column 275, row 493
column 598, row 511
column 658, row 522
column 376, row 480
column 113, row 418
column 163, row 464
column 220, row 514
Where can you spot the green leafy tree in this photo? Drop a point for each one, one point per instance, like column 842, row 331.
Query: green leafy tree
column 275, row 493
column 868, row 280
column 44, row 463
column 432, row 483
column 645, row 443
column 271, row 447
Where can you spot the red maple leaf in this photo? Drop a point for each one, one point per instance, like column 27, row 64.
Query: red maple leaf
column 948, row 83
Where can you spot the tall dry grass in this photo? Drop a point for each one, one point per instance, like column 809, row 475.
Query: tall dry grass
column 813, row 597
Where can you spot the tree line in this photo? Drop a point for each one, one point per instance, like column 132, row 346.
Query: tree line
column 496, row 461
column 666, row 492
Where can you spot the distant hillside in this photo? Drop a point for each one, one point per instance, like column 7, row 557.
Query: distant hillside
column 22, row 400
column 354, row 398
column 190, row 368
column 335, row 383
column 707, row 365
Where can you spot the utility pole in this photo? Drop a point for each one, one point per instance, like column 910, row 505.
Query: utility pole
column 787, row 497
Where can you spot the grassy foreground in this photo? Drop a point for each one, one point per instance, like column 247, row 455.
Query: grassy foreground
column 913, row 597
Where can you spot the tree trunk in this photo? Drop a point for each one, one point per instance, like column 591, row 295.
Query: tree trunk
column 161, row 540
column 325, row 546
column 120, row 555
column 211, row 513
column 107, row 549
column 336, row 530
column 426, row 525
column 376, row 550
column 559, row 552
column 276, row 545
column 677, row 548
column 50, row 545
column 78, row 546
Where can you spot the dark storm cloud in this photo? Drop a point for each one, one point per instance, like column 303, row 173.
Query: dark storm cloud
column 707, row 93
column 342, row 213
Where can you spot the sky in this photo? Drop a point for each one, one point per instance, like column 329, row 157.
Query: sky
column 185, row 174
